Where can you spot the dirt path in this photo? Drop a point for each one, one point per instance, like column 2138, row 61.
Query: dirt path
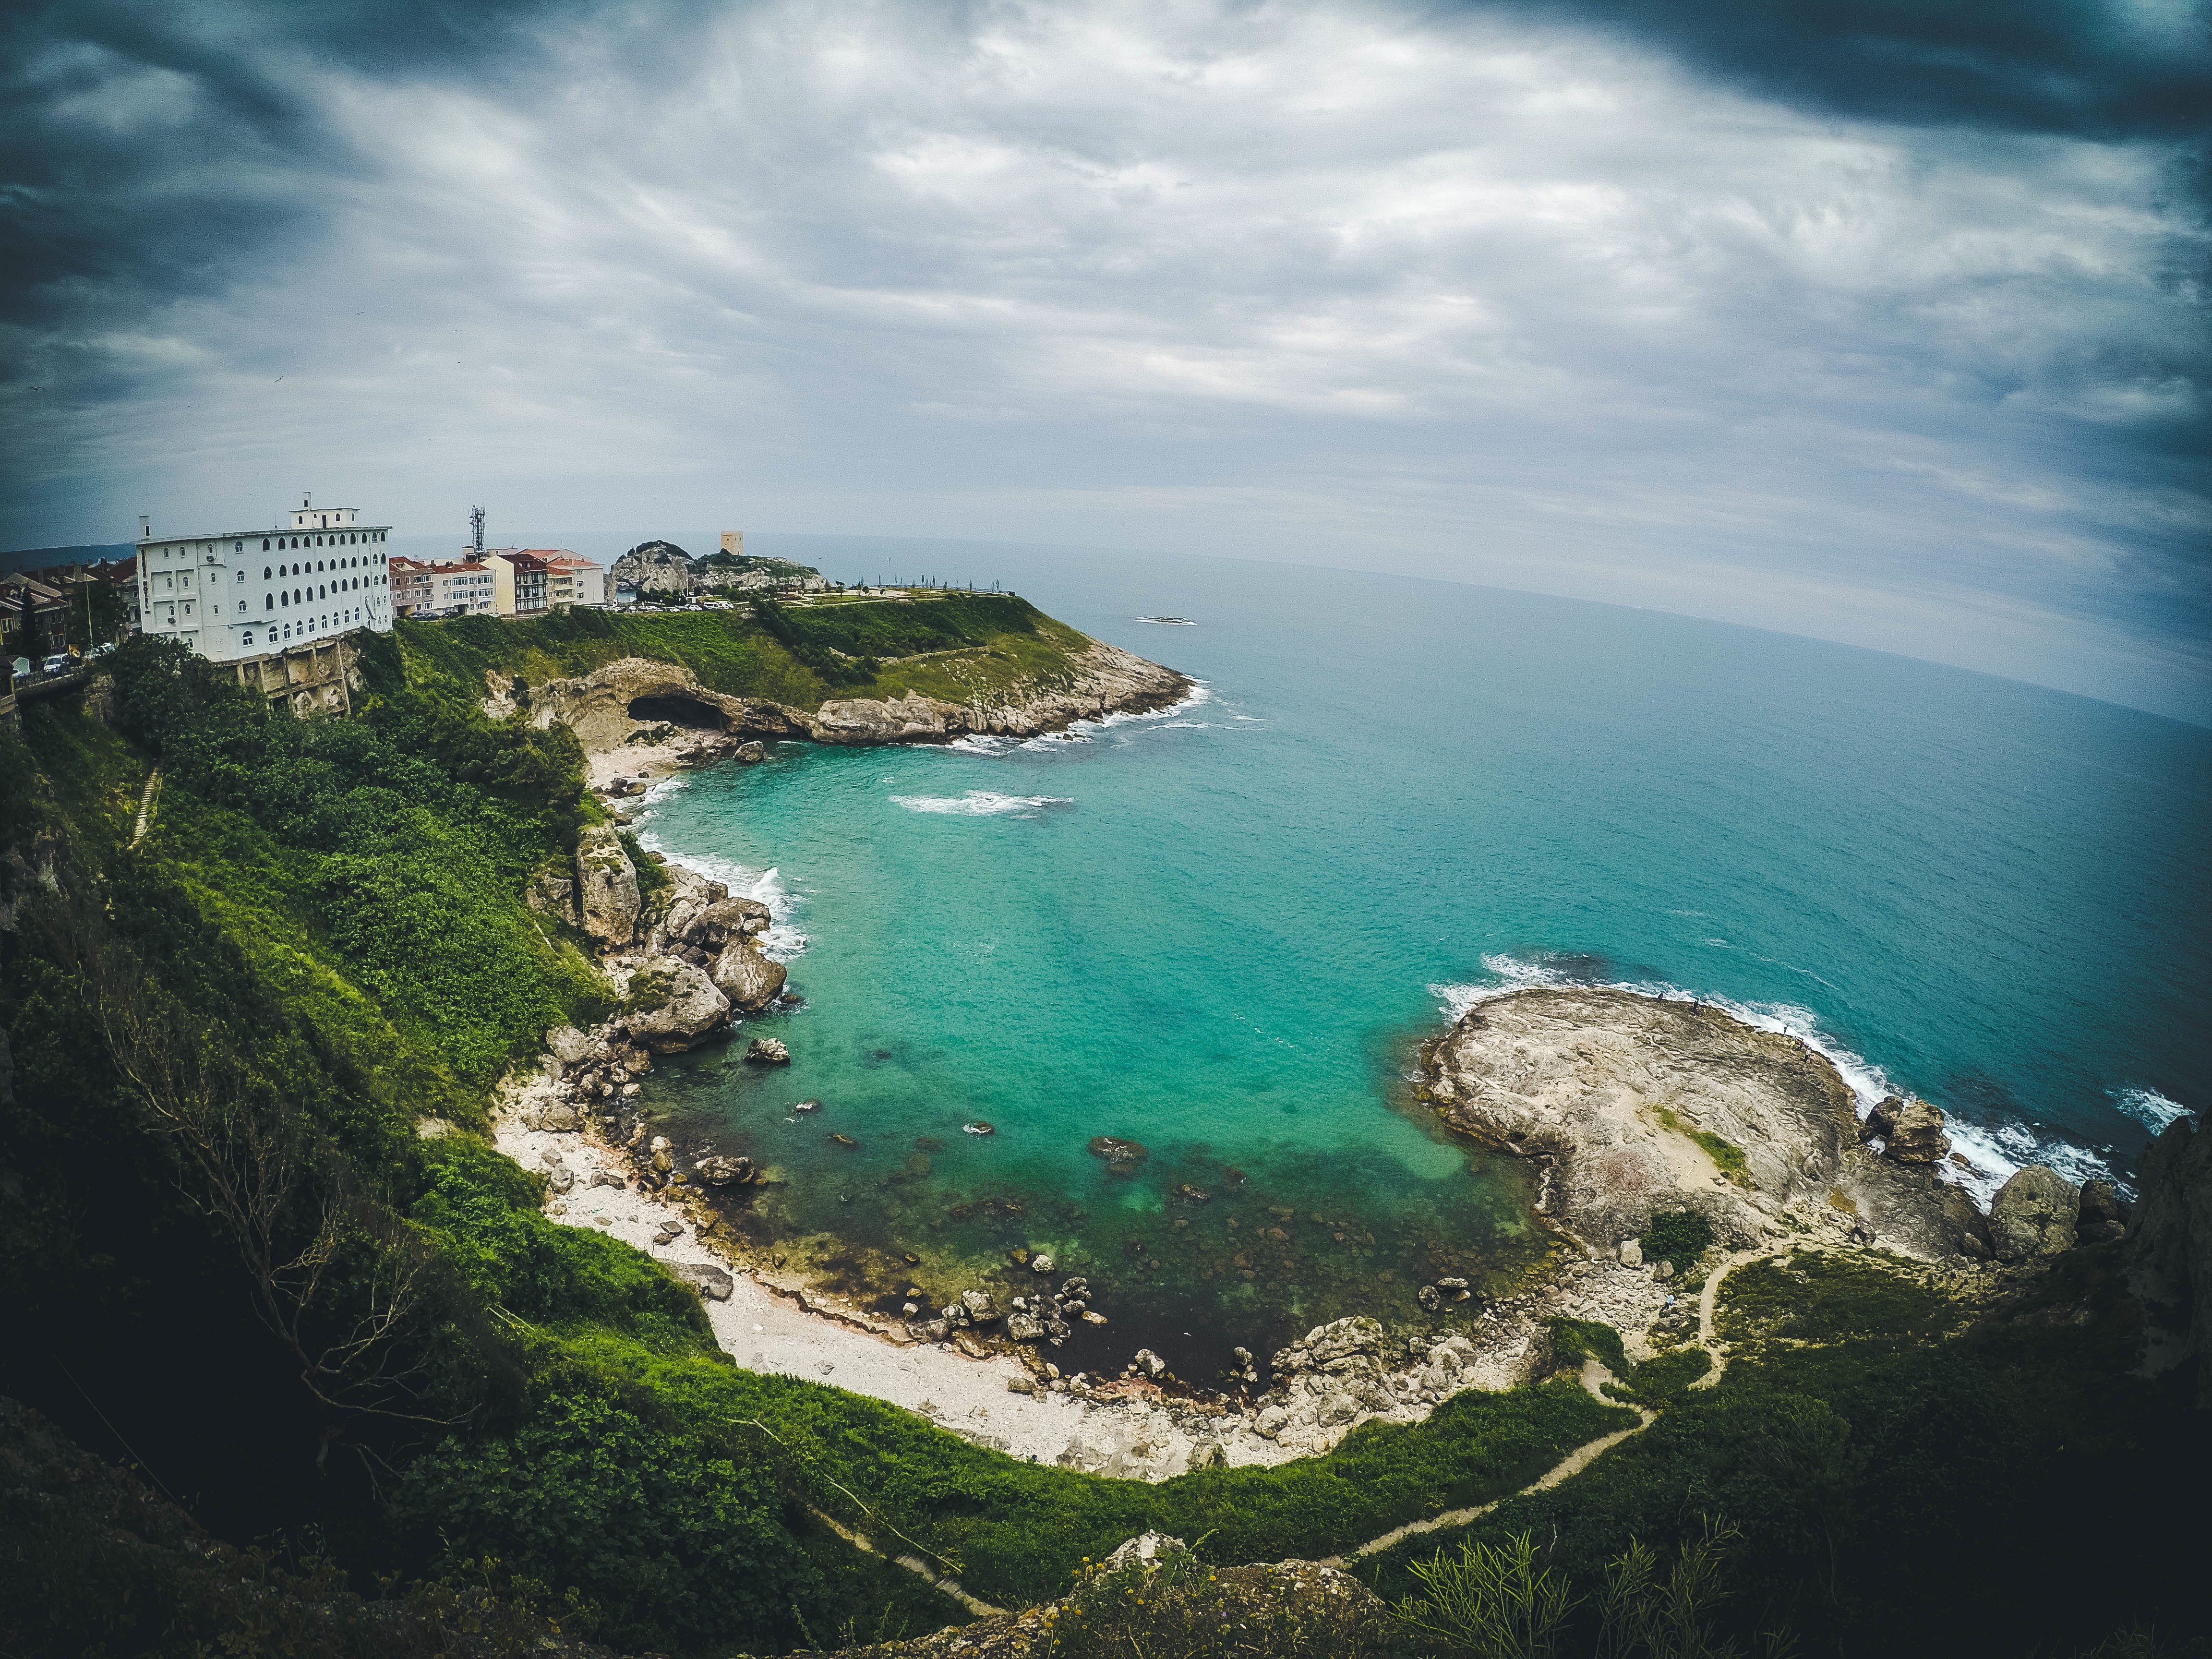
column 1595, row 1375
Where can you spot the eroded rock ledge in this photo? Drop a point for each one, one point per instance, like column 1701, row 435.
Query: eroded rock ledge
column 1103, row 680
column 1636, row 1106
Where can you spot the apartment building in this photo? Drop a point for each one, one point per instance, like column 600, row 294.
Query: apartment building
column 519, row 581
column 463, row 588
column 571, row 579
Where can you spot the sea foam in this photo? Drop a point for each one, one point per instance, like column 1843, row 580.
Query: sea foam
column 2151, row 1109
column 1995, row 1152
column 981, row 803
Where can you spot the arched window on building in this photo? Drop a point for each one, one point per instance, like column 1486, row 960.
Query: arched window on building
column 271, row 604
column 264, row 573
column 264, row 548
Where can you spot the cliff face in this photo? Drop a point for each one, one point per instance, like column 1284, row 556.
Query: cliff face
column 1101, row 680
column 2169, row 1251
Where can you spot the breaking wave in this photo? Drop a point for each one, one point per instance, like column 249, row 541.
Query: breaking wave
column 981, row 803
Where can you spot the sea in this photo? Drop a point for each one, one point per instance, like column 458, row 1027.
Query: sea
column 1222, row 931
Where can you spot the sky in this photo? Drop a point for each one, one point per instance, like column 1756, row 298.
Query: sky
column 1882, row 321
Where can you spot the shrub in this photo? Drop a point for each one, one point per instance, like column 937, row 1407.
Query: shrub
column 1677, row 1236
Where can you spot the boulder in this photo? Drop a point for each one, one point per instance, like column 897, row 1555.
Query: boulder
column 1041, row 1263
column 2102, row 1219
column 2032, row 1214
column 768, row 1051
column 722, row 1171
column 1430, row 1297
column 1631, row 1253
column 1911, row 1131
column 978, row 1304
column 673, row 1006
column 568, row 1044
column 560, row 1120
column 606, row 887
column 561, row 1178
column 751, row 753
column 748, row 979
column 716, row 924
column 1150, row 1364
column 1270, row 1422
column 870, row 720
column 1025, row 1327
column 713, row 1282
column 1971, row 1226
column 1343, row 1339
column 1142, row 1551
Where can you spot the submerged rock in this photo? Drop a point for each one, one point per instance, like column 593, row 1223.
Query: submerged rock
column 768, row 1051
column 1122, row 1157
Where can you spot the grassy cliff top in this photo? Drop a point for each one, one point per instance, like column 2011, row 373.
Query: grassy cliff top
column 952, row 646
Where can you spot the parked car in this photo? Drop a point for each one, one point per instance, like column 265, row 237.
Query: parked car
column 60, row 663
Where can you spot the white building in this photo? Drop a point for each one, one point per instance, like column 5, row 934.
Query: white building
column 319, row 573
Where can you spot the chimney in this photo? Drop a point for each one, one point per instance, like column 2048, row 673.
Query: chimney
column 145, row 527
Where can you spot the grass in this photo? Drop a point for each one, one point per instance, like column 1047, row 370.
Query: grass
column 1813, row 1297
column 1727, row 1158
column 798, row 655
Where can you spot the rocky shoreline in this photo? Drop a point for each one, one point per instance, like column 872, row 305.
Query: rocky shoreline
column 686, row 723
column 1645, row 1117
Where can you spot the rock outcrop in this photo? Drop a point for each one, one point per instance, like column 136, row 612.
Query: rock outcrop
column 2169, row 1250
column 660, row 569
column 606, row 887
column 1910, row 1131
column 672, row 1005
column 750, row 980
column 2033, row 1213
column 911, row 719
column 1634, row 1106
column 1101, row 679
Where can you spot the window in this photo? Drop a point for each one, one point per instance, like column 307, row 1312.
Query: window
column 242, row 605
column 264, row 573
column 271, row 604
column 248, row 636
column 238, row 547
column 264, row 548
column 241, row 575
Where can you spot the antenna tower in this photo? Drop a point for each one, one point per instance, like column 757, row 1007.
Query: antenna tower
column 476, row 532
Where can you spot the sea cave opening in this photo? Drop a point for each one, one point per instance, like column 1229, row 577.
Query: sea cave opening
column 687, row 712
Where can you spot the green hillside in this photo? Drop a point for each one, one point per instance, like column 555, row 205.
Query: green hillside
column 797, row 653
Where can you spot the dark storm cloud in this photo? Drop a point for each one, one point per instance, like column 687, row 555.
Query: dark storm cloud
column 1866, row 323
column 2100, row 70
column 146, row 145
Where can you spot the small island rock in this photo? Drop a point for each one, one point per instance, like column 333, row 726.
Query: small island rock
column 768, row 1051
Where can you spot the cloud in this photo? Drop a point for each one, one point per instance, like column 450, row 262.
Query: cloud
column 1878, row 324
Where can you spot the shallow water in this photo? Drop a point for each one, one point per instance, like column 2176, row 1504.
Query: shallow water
column 1221, row 931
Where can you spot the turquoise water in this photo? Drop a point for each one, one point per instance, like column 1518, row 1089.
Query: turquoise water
column 1221, row 931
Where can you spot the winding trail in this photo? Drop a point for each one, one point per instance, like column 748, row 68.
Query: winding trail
column 1594, row 1378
